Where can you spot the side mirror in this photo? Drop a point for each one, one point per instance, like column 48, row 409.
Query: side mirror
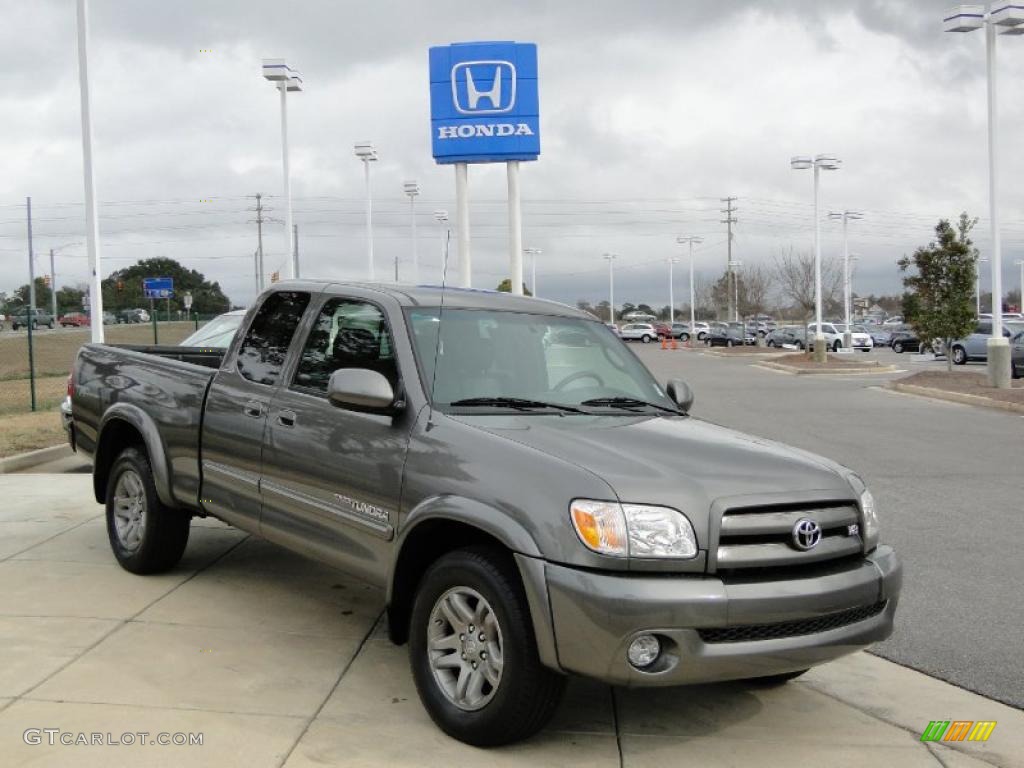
column 360, row 389
column 680, row 393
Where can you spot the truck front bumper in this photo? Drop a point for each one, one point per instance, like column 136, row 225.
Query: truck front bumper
column 712, row 629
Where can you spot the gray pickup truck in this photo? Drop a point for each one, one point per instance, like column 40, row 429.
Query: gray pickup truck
column 532, row 501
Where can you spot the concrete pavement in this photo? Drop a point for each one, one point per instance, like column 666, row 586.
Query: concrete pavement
column 280, row 661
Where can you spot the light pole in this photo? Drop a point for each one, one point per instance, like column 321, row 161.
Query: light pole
column 1020, row 299
column 829, row 163
column 534, row 253
column 610, row 258
column 734, row 267
column 441, row 216
column 693, row 300
column 977, row 284
column 285, row 79
column 366, row 152
column 672, row 261
column 412, row 189
column 1009, row 18
column 846, row 216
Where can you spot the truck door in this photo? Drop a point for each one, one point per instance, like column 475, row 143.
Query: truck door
column 332, row 477
column 237, row 407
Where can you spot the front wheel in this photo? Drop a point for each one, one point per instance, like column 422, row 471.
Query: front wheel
column 959, row 356
column 684, row 337
column 473, row 652
column 645, row 339
column 897, row 348
column 837, row 346
column 728, row 343
column 145, row 535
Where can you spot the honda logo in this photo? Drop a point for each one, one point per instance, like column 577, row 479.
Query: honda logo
column 484, row 87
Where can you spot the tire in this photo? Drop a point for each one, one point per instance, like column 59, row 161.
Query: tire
column 837, row 346
column 1015, row 372
column 959, row 356
column 645, row 339
column 684, row 337
column 770, row 681
column 770, row 343
column 728, row 343
column 527, row 693
column 50, row 325
column 800, row 345
column 145, row 535
column 898, row 348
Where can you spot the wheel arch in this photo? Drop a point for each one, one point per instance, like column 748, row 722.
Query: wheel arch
column 125, row 425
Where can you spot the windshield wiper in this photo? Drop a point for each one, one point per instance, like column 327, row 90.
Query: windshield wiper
column 518, row 403
column 629, row 403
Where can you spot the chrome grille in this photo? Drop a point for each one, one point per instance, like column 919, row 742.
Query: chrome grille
column 743, row 634
column 762, row 537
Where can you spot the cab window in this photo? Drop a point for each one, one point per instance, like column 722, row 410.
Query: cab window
column 265, row 347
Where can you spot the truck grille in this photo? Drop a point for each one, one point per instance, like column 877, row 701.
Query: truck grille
column 762, row 537
column 811, row 626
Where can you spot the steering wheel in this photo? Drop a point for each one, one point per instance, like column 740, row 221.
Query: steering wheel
column 575, row 376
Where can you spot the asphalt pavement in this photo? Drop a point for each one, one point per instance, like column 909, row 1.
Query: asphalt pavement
column 948, row 481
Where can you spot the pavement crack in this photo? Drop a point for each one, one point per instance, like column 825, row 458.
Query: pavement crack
column 341, row 676
column 14, row 555
column 615, row 722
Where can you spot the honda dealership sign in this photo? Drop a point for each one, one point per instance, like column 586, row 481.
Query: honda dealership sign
column 483, row 102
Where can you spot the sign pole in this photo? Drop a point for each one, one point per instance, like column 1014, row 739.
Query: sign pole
column 30, row 316
column 515, row 228
column 462, row 223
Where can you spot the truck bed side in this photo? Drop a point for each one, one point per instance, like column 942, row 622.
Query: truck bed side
column 152, row 395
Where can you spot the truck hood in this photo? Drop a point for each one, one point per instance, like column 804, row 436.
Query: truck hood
column 680, row 462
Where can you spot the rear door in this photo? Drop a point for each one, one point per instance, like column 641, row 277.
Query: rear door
column 237, row 408
column 332, row 477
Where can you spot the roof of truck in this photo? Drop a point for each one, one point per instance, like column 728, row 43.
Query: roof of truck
column 454, row 298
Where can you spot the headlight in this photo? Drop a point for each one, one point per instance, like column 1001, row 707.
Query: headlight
column 870, row 514
column 636, row 530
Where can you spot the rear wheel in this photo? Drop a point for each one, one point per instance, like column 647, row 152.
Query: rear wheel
column 770, row 343
column 473, row 652
column 837, row 346
column 898, row 347
column 959, row 356
column 728, row 343
column 684, row 337
column 645, row 339
column 145, row 535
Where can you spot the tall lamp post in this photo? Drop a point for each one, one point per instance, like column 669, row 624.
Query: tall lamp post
column 691, row 239
column 977, row 285
column 412, row 190
column 672, row 261
column 534, row 253
column 441, row 216
column 1007, row 19
column 1020, row 299
column 846, row 216
column 610, row 258
column 366, row 152
column 286, row 80
column 828, row 163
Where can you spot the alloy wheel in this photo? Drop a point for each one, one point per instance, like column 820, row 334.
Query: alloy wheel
column 464, row 646
column 130, row 510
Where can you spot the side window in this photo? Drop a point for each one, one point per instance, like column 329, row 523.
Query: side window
column 263, row 351
column 347, row 334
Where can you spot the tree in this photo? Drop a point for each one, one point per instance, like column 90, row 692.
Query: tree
column 942, row 283
column 123, row 289
column 794, row 272
column 756, row 282
column 505, row 286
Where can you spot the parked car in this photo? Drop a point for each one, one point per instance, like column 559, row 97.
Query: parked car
column 109, row 318
column 644, row 332
column 794, row 335
column 881, row 336
column 834, row 339
column 614, row 329
column 447, row 459
column 217, row 333
column 893, row 320
column 1017, row 356
column 975, row 345
column 664, row 330
column 859, row 337
column 40, row 318
column 3, row 318
column 729, row 335
column 905, row 340
column 73, row 320
column 129, row 316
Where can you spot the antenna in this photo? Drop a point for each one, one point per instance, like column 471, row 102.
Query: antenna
column 440, row 314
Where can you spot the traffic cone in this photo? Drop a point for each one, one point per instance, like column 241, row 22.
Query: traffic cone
column 664, row 344
column 675, row 344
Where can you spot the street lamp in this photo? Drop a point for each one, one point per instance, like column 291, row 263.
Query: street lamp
column 285, row 79
column 366, row 153
column 441, row 216
column 693, row 312
column 977, row 285
column 610, row 258
column 534, row 253
column 1009, row 18
column 1020, row 300
column 412, row 189
column 846, row 216
column 672, row 261
column 828, row 163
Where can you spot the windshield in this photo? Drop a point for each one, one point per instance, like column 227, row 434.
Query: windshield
column 562, row 361
column 217, row 333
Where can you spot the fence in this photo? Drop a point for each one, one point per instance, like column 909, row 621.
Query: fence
column 34, row 379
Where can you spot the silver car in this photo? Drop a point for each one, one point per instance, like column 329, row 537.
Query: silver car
column 644, row 332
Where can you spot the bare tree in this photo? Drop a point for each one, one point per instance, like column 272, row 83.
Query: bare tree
column 794, row 271
column 756, row 283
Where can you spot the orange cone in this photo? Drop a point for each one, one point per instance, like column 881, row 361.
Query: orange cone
column 675, row 344
column 664, row 344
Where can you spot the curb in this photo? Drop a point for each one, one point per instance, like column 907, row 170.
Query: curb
column 22, row 461
column 743, row 354
column 828, row 371
column 955, row 397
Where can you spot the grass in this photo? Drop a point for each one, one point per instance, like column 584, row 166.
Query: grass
column 15, row 397
column 29, row 431
column 975, row 384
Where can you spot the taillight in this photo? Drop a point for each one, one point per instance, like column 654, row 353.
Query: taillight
column 71, row 385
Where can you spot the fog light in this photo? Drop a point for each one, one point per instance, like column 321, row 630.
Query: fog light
column 643, row 651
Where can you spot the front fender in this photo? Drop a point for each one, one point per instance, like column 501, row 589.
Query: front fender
column 107, row 450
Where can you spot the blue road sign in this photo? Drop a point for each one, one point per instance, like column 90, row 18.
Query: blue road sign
column 484, row 106
column 158, row 287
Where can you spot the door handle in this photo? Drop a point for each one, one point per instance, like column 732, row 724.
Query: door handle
column 253, row 408
column 286, row 418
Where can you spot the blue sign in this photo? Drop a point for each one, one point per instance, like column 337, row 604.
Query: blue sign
column 484, row 106
column 158, row 287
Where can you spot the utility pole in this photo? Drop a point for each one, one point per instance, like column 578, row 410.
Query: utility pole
column 729, row 220
column 259, row 210
column 295, row 241
column 53, row 288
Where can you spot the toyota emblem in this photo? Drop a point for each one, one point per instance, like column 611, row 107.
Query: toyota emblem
column 806, row 534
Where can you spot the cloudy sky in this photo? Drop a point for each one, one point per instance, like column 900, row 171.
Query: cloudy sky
column 650, row 112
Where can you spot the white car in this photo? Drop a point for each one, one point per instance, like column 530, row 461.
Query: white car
column 644, row 332
column 833, row 333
